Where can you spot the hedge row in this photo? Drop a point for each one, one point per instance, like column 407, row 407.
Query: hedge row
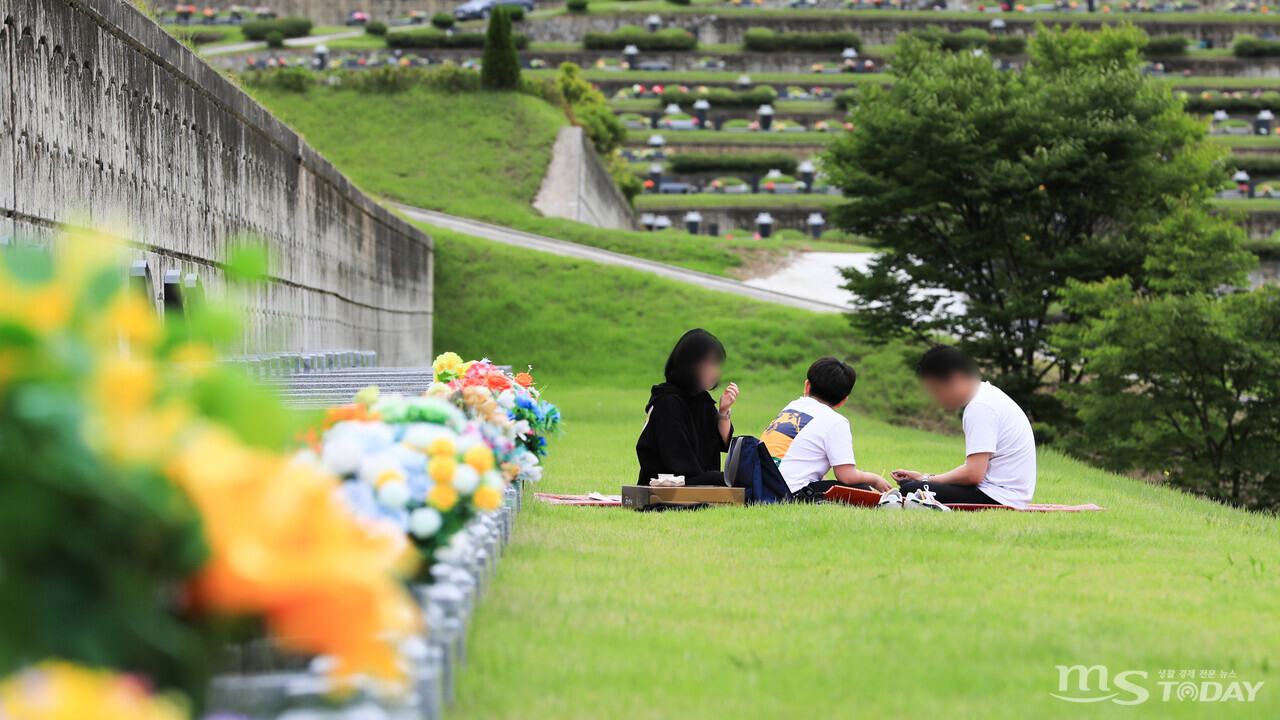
column 669, row 39
column 1166, row 46
column 756, row 164
column 1251, row 47
column 431, row 39
column 723, row 97
column 764, row 40
column 1245, row 103
column 1259, row 167
column 290, row 27
column 971, row 39
column 845, row 100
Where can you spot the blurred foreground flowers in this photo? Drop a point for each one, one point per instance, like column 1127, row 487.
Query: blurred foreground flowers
column 149, row 511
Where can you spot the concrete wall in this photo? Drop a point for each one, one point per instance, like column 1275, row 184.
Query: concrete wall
column 578, row 186
column 109, row 122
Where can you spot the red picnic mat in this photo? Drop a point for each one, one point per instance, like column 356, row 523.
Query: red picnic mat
column 594, row 499
column 869, row 498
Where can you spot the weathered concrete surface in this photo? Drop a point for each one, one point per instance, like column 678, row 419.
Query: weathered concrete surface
column 578, row 187
column 109, row 122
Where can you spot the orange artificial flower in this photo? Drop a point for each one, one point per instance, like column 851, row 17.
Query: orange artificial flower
column 524, row 379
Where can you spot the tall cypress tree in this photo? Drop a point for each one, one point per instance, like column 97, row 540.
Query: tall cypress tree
column 500, row 65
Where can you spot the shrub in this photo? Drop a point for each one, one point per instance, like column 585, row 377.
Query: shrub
column 973, row 38
column 1250, row 46
column 289, row 27
column 275, row 39
column 577, row 6
column 515, row 12
column 1256, row 165
column 669, row 39
column 752, row 164
column 845, row 100
column 679, row 2
column 443, row 21
column 764, row 40
column 432, row 39
column 500, row 65
column 376, row 27
column 296, row 80
column 723, row 97
column 1166, row 46
column 603, row 127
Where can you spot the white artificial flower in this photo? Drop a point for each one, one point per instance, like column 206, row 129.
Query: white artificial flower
column 425, row 522
column 420, row 435
column 507, row 399
column 393, row 494
column 532, row 474
column 342, row 454
column 465, row 479
column 306, row 457
column 381, row 467
column 439, row 390
column 495, row 480
column 521, row 428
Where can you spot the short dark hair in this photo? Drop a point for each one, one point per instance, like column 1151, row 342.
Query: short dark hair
column 831, row 380
column 941, row 362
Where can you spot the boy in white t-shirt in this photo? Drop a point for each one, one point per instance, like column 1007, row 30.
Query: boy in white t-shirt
column 809, row 437
column 999, row 447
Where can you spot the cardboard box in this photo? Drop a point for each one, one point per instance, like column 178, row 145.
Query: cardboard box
column 639, row 496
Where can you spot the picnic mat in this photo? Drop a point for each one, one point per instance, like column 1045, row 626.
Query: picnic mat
column 841, row 495
column 869, row 498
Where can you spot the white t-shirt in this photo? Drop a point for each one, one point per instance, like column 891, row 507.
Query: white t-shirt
column 807, row 439
column 994, row 423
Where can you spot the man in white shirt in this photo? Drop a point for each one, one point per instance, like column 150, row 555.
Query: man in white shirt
column 1000, row 449
column 809, row 437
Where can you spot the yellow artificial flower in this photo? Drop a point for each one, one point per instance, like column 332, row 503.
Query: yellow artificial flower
column 441, row 469
column 442, row 445
column 193, row 353
column 124, row 387
column 57, row 690
column 447, row 366
column 388, row 475
column 132, row 318
column 443, row 497
column 479, row 457
column 487, row 498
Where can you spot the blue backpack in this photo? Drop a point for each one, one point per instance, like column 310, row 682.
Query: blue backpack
column 750, row 466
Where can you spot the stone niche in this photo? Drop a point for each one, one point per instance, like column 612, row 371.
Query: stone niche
column 111, row 123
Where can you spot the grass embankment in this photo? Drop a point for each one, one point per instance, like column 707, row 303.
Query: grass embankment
column 816, row 611
column 479, row 155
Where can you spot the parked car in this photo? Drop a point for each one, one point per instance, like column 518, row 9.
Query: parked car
column 481, row 9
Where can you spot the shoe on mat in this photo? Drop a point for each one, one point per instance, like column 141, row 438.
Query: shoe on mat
column 923, row 499
column 890, row 500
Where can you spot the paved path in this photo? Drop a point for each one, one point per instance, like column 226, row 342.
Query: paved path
column 291, row 42
column 505, row 235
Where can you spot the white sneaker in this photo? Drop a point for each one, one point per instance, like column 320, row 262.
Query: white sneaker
column 923, row 499
column 890, row 500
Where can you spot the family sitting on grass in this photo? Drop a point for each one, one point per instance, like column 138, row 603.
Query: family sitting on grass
column 687, row 430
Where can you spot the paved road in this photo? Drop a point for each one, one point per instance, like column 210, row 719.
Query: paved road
column 505, row 235
column 291, row 42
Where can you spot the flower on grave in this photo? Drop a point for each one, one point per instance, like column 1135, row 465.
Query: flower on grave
column 769, row 186
column 754, row 125
column 657, row 90
column 848, row 126
column 447, row 367
column 57, row 690
column 756, row 236
column 816, row 67
column 648, row 185
column 821, row 126
column 716, row 184
column 524, row 380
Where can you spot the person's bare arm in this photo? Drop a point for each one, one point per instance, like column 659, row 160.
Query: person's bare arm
column 724, row 424
column 970, row 473
column 851, row 475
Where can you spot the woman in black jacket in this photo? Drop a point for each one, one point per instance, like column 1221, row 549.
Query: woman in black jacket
column 685, row 432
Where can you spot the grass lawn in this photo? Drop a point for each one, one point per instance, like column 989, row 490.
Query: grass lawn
column 714, row 200
column 1247, row 141
column 817, row 611
column 1270, row 204
column 479, row 155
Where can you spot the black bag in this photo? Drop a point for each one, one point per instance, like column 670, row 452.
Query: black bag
column 750, row 466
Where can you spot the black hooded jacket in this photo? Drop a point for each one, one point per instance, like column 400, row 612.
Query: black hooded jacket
column 681, row 437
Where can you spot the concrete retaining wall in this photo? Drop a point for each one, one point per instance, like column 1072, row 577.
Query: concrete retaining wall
column 578, row 187
column 109, row 122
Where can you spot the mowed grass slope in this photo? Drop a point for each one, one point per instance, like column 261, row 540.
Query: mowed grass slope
column 817, row 611
column 482, row 156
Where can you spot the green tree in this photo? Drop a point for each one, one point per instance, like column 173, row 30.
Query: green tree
column 1001, row 186
column 500, row 64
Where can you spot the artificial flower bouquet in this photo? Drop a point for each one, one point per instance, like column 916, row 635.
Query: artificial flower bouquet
column 426, row 465
column 153, row 510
